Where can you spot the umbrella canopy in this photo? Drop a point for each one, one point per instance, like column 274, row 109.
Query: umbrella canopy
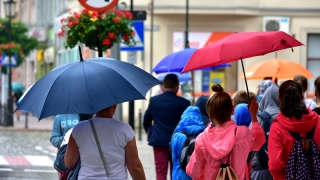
column 182, row 77
column 86, row 87
column 176, row 61
column 276, row 68
column 16, row 87
column 239, row 46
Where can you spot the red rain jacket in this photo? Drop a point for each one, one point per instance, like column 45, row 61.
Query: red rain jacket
column 281, row 141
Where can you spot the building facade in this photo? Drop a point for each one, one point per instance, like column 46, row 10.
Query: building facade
column 212, row 20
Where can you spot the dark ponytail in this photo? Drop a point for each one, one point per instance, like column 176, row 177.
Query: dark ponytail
column 291, row 100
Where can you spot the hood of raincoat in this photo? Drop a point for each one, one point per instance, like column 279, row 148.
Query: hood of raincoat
column 270, row 102
column 192, row 124
column 242, row 115
column 264, row 85
column 220, row 140
column 191, row 121
column 304, row 125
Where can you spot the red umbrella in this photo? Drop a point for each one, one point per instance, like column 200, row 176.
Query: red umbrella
column 239, row 46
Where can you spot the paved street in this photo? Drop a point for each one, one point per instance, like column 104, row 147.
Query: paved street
column 28, row 154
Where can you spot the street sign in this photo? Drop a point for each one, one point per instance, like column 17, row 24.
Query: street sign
column 138, row 28
column 98, row 5
column 6, row 62
column 132, row 57
column 139, row 15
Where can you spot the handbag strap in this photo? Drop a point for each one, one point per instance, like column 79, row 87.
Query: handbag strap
column 99, row 147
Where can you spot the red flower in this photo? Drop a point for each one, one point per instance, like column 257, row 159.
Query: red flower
column 60, row 34
column 85, row 11
column 125, row 37
column 62, row 20
column 70, row 24
column 75, row 22
column 118, row 13
column 128, row 14
column 132, row 32
column 69, row 9
column 76, row 15
column 112, row 35
column 116, row 20
column 106, row 42
column 94, row 14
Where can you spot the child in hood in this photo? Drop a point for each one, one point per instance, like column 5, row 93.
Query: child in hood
column 224, row 141
column 242, row 115
column 192, row 124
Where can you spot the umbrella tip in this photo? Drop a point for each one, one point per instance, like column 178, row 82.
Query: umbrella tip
column 80, row 53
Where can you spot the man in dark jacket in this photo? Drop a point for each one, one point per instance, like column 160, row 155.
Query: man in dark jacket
column 165, row 111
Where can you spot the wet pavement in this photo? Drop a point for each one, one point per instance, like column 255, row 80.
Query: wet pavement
column 26, row 156
column 23, row 143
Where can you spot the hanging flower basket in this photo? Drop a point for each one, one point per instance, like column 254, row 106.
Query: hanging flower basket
column 95, row 29
column 10, row 49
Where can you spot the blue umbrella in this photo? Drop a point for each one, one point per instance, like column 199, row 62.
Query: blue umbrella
column 86, row 87
column 182, row 77
column 175, row 62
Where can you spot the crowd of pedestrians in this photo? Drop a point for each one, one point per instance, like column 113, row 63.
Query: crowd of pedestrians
column 261, row 136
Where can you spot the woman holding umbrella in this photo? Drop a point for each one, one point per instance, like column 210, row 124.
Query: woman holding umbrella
column 118, row 148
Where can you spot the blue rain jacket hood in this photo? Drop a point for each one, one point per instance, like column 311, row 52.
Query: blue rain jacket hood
column 242, row 115
column 191, row 123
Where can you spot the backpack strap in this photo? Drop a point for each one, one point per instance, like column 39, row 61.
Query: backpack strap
column 222, row 164
column 263, row 115
column 185, row 132
column 309, row 135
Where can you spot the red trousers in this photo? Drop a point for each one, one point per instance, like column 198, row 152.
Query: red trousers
column 162, row 158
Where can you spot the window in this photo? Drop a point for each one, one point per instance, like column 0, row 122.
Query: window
column 313, row 58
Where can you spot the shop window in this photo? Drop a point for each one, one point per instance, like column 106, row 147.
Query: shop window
column 313, row 58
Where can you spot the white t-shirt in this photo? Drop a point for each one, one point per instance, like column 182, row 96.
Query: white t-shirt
column 113, row 136
column 310, row 103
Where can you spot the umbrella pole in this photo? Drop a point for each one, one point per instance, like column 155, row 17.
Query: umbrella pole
column 245, row 79
column 192, row 90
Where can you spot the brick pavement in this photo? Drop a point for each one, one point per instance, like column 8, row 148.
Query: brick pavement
column 145, row 151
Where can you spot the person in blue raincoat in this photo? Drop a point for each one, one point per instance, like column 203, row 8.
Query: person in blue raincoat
column 191, row 123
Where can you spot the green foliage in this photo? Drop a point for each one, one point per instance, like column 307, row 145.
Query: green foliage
column 19, row 36
column 91, row 28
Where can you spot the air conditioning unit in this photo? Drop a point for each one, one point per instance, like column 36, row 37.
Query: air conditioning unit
column 276, row 24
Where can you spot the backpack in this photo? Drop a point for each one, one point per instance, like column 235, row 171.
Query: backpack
column 187, row 150
column 262, row 154
column 304, row 158
column 226, row 172
column 66, row 174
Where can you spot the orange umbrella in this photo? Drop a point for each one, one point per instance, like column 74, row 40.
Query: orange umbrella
column 276, row 68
